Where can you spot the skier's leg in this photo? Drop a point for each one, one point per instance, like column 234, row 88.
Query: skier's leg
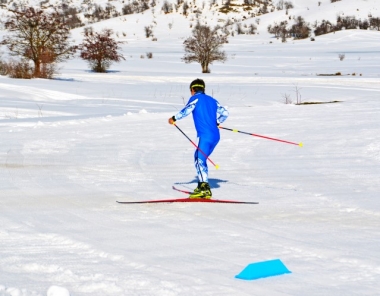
column 200, row 162
column 207, row 146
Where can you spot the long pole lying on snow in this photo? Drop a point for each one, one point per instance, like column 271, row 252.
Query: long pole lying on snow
column 265, row 137
column 195, row 145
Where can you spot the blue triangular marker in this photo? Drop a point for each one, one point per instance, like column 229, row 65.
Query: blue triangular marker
column 263, row 269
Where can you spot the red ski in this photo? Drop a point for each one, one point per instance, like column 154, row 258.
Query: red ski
column 180, row 190
column 187, row 200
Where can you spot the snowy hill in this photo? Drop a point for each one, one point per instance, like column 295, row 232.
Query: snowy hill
column 74, row 145
column 218, row 12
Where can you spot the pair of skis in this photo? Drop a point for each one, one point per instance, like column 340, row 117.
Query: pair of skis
column 173, row 200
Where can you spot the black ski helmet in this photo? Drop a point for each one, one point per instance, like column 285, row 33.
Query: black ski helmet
column 198, row 84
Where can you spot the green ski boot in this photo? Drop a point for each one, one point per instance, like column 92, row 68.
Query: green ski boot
column 202, row 191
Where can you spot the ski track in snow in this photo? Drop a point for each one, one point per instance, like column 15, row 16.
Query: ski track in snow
column 41, row 169
column 44, row 165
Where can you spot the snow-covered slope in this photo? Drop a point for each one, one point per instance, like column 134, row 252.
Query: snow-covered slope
column 210, row 13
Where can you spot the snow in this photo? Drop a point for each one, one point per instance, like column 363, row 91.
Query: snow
column 74, row 145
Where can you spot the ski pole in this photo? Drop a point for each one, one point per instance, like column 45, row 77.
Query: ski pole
column 195, row 145
column 265, row 137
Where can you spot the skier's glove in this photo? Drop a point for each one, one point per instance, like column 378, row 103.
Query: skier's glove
column 172, row 120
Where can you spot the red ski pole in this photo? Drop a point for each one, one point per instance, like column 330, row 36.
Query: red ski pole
column 195, row 145
column 265, row 137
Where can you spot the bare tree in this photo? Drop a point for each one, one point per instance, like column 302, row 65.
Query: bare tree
column 167, row 7
column 301, row 29
column 39, row 36
column 148, row 31
column 375, row 23
column 279, row 30
column 288, row 5
column 287, row 99
column 185, row 8
column 70, row 16
column 323, row 28
column 298, row 95
column 100, row 49
column 280, row 5
column 239, row 29
column 204, row 47
column 252, row 29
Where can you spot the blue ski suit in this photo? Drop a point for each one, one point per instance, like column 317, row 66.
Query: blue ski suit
column 207, row 114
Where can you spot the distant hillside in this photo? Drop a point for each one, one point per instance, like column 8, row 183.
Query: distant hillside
column 234, row 17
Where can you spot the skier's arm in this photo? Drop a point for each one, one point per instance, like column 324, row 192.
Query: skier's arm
column 221, row 114
column 184, row 112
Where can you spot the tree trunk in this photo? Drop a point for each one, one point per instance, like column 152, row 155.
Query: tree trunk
column 37, row 68
column 99, row 67
column 205, row 68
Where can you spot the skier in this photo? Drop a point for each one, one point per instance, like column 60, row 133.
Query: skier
column 207, row 115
